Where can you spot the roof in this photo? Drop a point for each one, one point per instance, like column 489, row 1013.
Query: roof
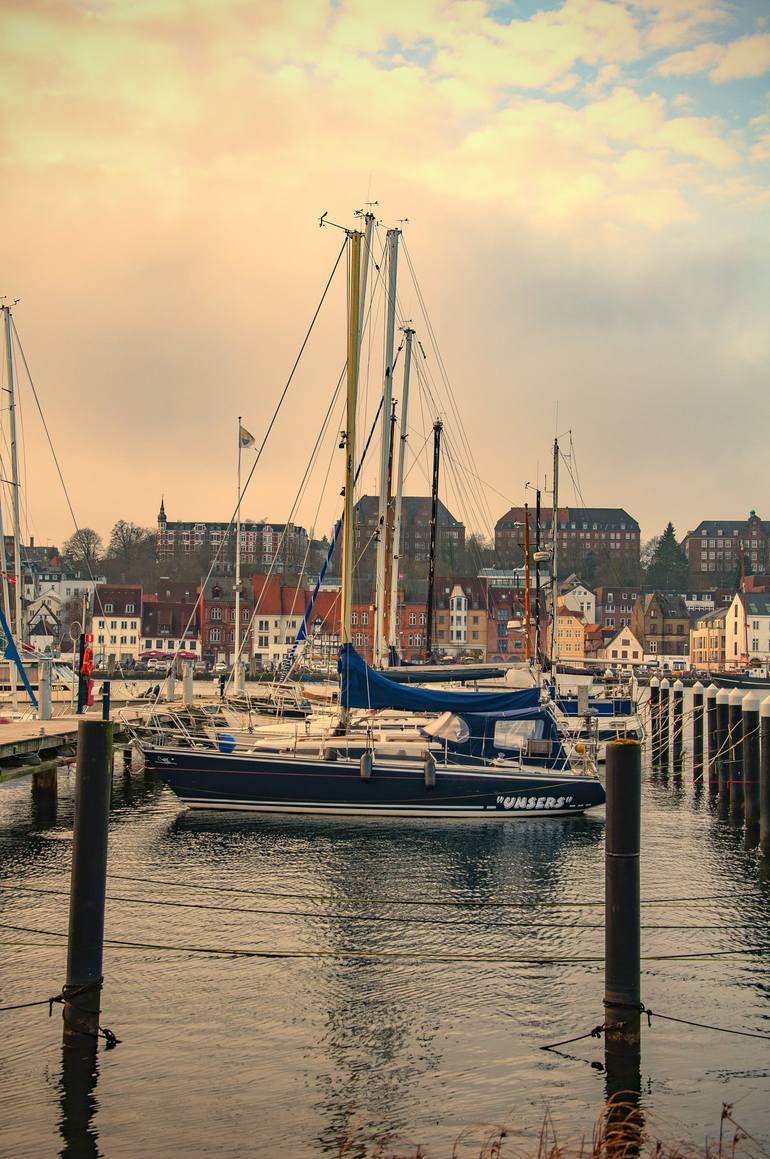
column 583, row 518
column 671, row 605
column 414, row 508
column 755, row 603
column 714, row 527
column 120, row 596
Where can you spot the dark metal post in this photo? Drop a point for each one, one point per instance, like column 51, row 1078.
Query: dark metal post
column 722, row 756
column 654, row 720
column 764, row 777
column 677, row 714
column 82, row 990
column 735, row 752
column 665, row 722
column 106, row 700
column 621, row 912
column 697, row 731
column 711, row 731
column 82, row 680
column 750, row 708
column 437, row 429
column 538, row 648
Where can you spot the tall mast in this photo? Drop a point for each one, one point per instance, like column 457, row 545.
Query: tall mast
column 388, row 538
column 387, row 402
column 437, row 429
column 370, row 219
column 18, row 626
column 527, row 649
column 393, row 639
column 354, row 304
column 537, row 577
column 237, row 635
column 554, row 540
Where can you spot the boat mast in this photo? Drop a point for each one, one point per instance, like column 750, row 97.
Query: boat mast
column 370, row 219
column 437, row 429
column 18, row 626
column 7, row 606
column 537, row 577
column 554, row 538
column 354, row 305
column 527, row 649
column 379, row 650
column 393, row 608
column 388, row 537
column 237, row 635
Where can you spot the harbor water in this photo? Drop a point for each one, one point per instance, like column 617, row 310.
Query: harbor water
column 403, row 979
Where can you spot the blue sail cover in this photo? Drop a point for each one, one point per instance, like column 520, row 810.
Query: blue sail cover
column 364, row 687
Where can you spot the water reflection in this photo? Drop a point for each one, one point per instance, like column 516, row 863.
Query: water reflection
column 78, row 1103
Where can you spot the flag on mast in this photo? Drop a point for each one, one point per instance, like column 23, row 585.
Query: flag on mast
column 245, row 439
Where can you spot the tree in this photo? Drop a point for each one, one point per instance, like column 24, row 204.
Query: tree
column 85, row 548
column 668, row 570
column 131, row 551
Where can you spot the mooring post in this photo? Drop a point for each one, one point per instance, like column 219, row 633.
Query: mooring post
column 622, row 913
column 654, row 721
column 82, row 990
column 711, row 731
column 750, row 708
column 677, row 713
column 665, row 721
column 697, row 731
column 171, row 683
column 764, row 776
column 187, row 684
column 735, row 749
column 242, row 666
column 722, row 741
column 44, row 711
column 106, row 700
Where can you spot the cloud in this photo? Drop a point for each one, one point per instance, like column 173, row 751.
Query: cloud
column 694, row 60
column 746, row 57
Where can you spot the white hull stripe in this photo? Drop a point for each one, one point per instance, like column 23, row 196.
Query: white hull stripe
column 383, row 811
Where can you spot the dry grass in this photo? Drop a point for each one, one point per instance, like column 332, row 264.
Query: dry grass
column 623, row 1131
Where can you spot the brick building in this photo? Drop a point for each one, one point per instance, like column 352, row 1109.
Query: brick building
column 217, row 620
column 415, row 530
column 715, row 546
column 261, row 543
column 579, row 531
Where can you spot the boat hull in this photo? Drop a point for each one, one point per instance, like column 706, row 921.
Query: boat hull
column 268, row 783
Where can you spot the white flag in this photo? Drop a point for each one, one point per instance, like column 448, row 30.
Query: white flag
column 246, row 440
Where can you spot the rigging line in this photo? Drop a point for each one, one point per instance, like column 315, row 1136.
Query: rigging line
column 440, row 362
column 475, row 513
column 396, row 955
column 461, row 922
column 488, row 485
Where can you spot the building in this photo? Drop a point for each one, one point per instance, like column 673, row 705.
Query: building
column 624, row 650
column 460, row 617
column 171, row 622
column 117, row 623
column 578, row 598
column 261, row 543
column 707, row 641
column 414, row 543
column 747, row 630
column 579, row 531
column 614, row 606
column 217, row 621
column 661, row 624
column 716, row 546
column 278, row 612
column 570, row 635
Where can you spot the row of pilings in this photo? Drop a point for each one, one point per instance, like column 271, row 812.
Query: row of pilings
column 730, row 747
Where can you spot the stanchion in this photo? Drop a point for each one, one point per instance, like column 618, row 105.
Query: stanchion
column 82, row 990
column 187, row 684
column 697, row 731
column 712, row 732
column 735, row 752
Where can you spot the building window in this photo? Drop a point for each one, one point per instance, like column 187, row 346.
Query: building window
column 109, row 608
column 129, row 609
column 364, row 619
column 215, row 613
column 215, row 635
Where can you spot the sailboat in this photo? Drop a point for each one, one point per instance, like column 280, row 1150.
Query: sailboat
column 491, row 755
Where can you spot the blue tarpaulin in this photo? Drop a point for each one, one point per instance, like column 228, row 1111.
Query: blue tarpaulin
column 364, row 687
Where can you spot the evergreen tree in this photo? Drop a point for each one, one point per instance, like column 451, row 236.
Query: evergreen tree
column 668, row 570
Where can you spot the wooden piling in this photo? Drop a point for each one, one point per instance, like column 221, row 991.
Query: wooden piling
column 750, row 709
column 711, row 731
column 677, row 719
column 665, row 722
column 654, row 720
column 621, row 871
column 764, row 777
column 735, row 750
column 697, row 731
column 82, row 990
column 722, row 734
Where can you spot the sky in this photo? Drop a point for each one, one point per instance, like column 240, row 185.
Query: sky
column 583, row 192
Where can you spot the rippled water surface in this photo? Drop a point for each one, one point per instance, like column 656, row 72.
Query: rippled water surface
column 410, row 1006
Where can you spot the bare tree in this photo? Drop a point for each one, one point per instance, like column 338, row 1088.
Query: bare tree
column 84, row 547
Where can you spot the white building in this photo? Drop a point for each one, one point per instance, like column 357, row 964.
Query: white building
column 623, row 650
column 747, row 630
column 580, row 599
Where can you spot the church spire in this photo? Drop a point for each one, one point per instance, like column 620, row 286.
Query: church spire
column 162, row 512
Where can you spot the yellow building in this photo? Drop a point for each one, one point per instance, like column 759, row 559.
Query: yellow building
column 570, row 635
